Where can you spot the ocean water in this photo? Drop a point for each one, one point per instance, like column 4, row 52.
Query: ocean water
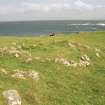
column 29, row 28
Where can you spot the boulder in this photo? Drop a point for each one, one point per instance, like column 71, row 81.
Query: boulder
column 12, row 96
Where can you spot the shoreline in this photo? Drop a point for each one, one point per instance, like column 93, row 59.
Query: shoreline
column 38, row 35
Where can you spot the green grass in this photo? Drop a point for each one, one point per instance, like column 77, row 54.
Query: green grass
column 58, row 84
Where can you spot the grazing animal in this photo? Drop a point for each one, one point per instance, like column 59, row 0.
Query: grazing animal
column 52, row 34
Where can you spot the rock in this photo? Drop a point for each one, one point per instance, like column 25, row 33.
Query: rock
column 28, row 60
column 19, row 75
column 73, row 63
column 98, row 50
column 34, row 75
column 25, row 75
column 16, row 55
column 71, row 45
column 4, row 71
column 62, row 61
column 97, row 54
column 12, row 97
column 85, row 58
column 84, row 61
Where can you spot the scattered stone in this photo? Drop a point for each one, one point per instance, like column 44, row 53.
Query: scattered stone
column 12, row 97
column 74, row 45
column 85, row 58
column 19, row 75
column 16, row 55
column 73, row 63
column 28, row 60
column 98, row 50
column 34, row 75
column 71, row 45
column 25, row 75
column 62, row 61
column 4, row 71
column 97, row 54
column 84, row 61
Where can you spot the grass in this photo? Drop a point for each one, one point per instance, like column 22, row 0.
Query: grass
column 58, row 84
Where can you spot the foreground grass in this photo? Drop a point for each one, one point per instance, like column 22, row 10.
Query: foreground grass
column 58, row 84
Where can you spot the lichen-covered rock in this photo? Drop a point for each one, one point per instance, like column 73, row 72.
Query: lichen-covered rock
column 12, row 96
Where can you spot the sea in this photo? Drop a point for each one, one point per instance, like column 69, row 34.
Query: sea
column 33, row 28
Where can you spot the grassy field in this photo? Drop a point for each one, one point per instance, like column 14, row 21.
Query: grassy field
column 58, row 83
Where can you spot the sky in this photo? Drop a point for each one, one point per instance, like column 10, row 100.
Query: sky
column 17, row 10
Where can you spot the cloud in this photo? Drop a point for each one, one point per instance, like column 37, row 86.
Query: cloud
column 51, row 9
column 82, row 4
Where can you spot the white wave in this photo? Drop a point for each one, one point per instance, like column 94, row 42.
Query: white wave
column 102, row 24
column 87, row 24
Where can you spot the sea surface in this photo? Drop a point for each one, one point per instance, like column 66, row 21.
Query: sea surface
column 28, row 28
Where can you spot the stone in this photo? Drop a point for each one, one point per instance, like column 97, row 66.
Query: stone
column 28, row 60
column 84, row 61
column 71, row 45
column 97, row 54
column 19, row 75
column 73, row 63
column 62, row 61
column 12, row 96
column 85, row 58
column 16, row 55
column 4, row 71
column 34, row 75
column 98, row 50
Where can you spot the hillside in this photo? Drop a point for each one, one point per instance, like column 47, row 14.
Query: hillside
column 59, row 70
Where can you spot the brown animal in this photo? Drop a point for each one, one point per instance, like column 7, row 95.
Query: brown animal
column 52, row 34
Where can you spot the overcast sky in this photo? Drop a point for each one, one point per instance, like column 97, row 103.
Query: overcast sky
column 13, row 10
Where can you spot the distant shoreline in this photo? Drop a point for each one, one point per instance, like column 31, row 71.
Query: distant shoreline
column 56, row 34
